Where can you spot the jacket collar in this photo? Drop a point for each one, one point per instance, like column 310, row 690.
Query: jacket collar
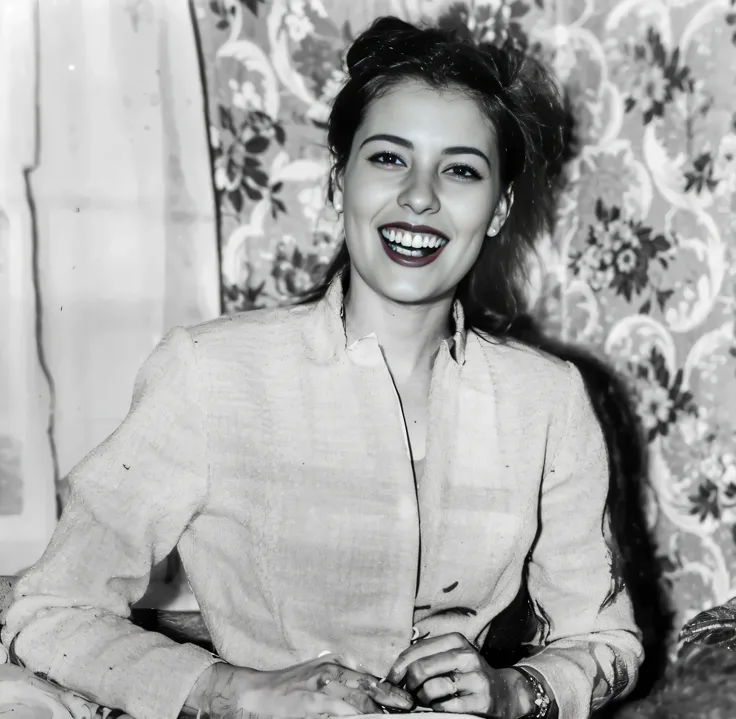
column 325, row 330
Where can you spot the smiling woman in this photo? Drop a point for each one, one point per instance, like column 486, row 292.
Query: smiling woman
column 358, row 486
column 452, row 91
column 402, row 177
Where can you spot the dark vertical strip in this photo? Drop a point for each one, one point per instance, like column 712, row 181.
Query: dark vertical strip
column 35, row 259
column 207, row 120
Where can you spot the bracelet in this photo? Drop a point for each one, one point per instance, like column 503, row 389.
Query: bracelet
column 542, row 701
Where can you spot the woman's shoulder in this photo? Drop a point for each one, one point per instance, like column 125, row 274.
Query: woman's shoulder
column 259, row 328
column 515, row 358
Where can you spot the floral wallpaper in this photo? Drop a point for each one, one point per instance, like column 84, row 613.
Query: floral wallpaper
column 641, row 264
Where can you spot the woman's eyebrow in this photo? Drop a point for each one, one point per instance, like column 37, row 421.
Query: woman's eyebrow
column 465, row 150
column 389, row 138
column 456, row 150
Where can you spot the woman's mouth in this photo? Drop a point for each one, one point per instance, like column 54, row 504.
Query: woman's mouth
column 411, row 249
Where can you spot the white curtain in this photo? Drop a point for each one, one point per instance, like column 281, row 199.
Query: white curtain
column 27, row 512
column 124, row 213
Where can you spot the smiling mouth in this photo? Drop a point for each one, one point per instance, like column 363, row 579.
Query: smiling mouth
column 412, row 245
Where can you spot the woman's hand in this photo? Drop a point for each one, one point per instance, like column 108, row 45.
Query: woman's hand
column 447, row 673
column 319, row 688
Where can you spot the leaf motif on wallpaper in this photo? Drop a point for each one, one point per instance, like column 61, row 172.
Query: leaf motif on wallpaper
column 646, row 351
column 296, row 268
column 701, row 248
column 614, row 175
column 661, row 395
column 260, row 91
column 659, row 75
column 238, row 147
column 234, row 256
column 705, row 501
column 229, row 12
column 701, row 175
column 496, row 23
column 306, row 49
column 709, row 473
column 707, row 359
column 702, row 264
column 619, row 255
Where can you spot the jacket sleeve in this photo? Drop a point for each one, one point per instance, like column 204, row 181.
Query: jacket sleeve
column 130, row 500
column 590, row 649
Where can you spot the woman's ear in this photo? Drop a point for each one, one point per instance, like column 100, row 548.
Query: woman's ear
column 337, row 194
column 501, row 213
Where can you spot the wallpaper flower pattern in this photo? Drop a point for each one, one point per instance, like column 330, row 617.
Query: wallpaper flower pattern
column 641, row 264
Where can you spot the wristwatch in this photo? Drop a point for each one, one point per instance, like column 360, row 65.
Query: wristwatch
column 542, row 701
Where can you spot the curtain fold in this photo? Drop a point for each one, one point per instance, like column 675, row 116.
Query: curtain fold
column 27, row 462
column 122, row 202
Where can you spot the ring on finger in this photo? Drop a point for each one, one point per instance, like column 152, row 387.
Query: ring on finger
column 453, row 676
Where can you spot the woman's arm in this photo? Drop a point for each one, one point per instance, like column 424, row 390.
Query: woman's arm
column 131, row 499
column 590, row 649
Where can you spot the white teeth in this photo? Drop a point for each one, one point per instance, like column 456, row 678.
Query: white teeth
column 410, row 253
column 409, row 239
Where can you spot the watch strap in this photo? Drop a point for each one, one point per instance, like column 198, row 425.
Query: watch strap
column 541, row 699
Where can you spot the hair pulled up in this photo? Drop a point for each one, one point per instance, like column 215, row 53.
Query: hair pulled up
column 519, row 97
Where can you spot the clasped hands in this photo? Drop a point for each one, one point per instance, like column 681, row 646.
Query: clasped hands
column 444, row 673
column 447, row 673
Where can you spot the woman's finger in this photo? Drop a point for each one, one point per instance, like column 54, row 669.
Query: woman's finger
column 424, row 648
column 453, row 705
column 472, row 692
column 438, row 688
column 360, row 700
column 455, row 660
column 361, row 690
column 314, row 704
column 391, row 696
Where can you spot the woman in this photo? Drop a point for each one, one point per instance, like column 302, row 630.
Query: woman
column 359, row 484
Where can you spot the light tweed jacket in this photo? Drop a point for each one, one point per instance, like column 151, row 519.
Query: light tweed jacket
column 275, row 458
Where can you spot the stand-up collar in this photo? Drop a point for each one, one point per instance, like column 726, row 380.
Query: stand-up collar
column 325, row 330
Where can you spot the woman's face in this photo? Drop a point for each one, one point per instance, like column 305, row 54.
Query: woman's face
column 420, row 192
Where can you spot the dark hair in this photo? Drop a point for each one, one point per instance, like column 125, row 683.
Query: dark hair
column 519, row 96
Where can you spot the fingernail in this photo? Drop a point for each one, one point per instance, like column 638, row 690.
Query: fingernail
column 396, row 693
column 407, row 701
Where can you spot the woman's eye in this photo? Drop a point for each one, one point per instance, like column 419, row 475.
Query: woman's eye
column 464, row 172
column 386, row 158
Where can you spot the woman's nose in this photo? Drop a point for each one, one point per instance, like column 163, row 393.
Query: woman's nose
column 419, row 194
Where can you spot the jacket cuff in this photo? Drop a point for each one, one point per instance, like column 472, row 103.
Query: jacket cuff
column 158, row 689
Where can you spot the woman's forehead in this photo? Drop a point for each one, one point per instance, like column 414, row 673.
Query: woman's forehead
column 420, row 113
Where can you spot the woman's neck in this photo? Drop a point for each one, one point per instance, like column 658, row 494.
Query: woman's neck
column 409, row 334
